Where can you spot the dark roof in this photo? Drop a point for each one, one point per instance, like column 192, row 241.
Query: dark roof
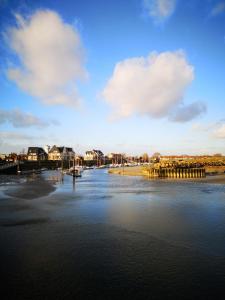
column 55, row 148
column 60, row 149
column 98, row 152
column 36, row 150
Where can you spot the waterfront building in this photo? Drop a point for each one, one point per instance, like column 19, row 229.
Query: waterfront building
column 94, row 157
column 61, row 153
column 116, row 158
column 3, row 156
column 36, row 153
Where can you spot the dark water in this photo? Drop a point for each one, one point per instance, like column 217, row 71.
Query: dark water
column 111, row 237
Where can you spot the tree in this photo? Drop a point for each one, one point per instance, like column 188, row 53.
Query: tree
column 218, row 155
column 156, row 154
column 145, row 157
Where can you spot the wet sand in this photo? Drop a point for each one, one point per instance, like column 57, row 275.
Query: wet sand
column 130, row 171
column 35, row 187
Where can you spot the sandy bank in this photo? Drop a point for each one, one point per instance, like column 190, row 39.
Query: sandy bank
column 131, row 171
column 138, row 171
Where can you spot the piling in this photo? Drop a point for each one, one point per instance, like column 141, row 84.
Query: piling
column 176, row 172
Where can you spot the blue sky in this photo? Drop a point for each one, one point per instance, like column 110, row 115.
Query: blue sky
column 123, row 76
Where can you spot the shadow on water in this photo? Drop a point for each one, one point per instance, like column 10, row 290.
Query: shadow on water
column 26, row 222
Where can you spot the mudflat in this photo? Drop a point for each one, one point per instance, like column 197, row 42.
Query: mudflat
column 35, row 187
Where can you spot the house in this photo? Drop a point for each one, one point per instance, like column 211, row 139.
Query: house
column 93, row 155
column 3, row 156
column 61, row 153
column 116, row 158
column 36, row 153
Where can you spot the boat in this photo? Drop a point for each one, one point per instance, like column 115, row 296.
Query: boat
column 75, row 172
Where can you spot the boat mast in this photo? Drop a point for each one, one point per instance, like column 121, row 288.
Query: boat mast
column 74, row 161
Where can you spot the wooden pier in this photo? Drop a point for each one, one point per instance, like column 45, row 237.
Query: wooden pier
column 175, row 172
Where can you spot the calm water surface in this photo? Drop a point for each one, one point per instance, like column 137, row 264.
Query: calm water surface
column 109, row 237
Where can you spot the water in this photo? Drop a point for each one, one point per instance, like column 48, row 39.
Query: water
column 109, row 236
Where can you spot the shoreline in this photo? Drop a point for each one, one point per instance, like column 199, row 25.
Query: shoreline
column 217, row 178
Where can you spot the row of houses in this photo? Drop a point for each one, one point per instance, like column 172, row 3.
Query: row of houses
column 96, row 157
column 62, row 153
column 91, row 157
column 56, row 153
column 53, row 153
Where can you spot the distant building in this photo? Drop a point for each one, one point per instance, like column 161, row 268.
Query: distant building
column 61, row 153
column 22, row 157
column 3, row 156
column 116, row 158
column 36, row 153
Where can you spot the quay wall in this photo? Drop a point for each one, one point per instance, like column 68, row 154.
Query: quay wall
column 25, row 166
column 175, row 172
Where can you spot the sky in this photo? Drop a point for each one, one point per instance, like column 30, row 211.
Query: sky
column 130, row 76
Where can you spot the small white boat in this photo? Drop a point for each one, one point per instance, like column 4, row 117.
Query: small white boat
column 75, row 172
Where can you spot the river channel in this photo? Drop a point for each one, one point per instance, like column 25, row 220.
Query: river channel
column 106, row 236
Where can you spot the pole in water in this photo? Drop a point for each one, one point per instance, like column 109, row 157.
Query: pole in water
column 62, row 164
column 18, row 168
column 74, row 183
column 123, row 165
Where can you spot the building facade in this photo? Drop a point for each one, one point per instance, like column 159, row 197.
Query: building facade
column 61, row 153
column 36, row 154
column 116, row 158
column 94, row 157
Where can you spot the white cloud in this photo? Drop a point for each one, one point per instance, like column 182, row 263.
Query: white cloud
column 51, row 56
column 214, row 129
column 220, row 132
column 218, row 9
column 152, row 85
column 14, row 141
column 159, row 10
column 22, row 119
column 186, row 113
column 12, row 136
column 198, row 127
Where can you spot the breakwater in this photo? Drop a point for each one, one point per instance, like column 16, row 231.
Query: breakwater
column 175, row 172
